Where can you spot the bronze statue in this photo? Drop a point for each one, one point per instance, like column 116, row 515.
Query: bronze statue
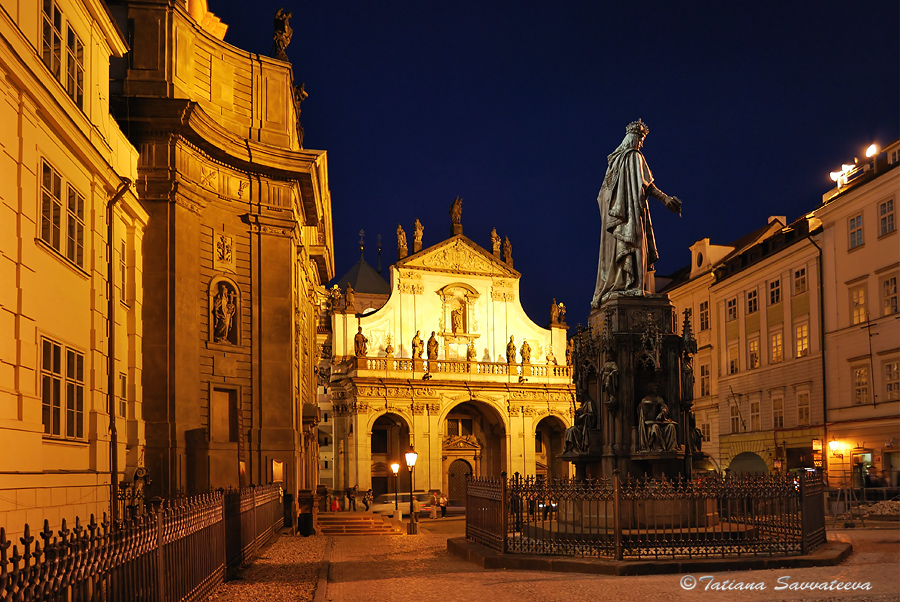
column 656, row 429
column 282, row 35
column 609, row 377
column 417, row 346
column 360, row 343
column 576, row 437
column 432, row 347
column 627, row 245
column 511, row 351
column 562, row 312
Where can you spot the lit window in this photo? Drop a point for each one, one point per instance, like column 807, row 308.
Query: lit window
column 777, row 347
column 733, row 358
column 856, row 231
column 892, row 380
column 886, row 217
column 752, row 301
column 889, row 295
column 777, row 412
column 858, row 304
column 803, row 408
column 800, row 281
column 704, row 380
column 802, row 339
column 755, row 422
column 860, row 379
column 53, row 219
column 735, row 418
column 774, row 292
column 62, row 389
column 753, row 354
column 731, row 310
column 704, row 315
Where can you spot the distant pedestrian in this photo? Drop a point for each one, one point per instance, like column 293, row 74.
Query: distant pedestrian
column 417, row 508
column 367, row 498
column 443, row 502
column 351, row 499
column 335, row 505
column 434, row 504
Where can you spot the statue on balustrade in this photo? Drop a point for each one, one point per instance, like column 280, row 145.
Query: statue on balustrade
column 525, row 352
column 471, row 352
column 511, row 351
column 627, row 245
column 432, row 347
column 417, row 346
column 360, row 343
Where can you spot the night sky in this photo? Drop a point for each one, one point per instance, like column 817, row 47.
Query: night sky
column 514, row 106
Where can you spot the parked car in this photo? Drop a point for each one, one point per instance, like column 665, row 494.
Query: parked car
column 384, row 503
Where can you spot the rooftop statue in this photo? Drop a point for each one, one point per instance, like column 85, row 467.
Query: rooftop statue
column 627, row 244
column 282, row 35
column 456, row 211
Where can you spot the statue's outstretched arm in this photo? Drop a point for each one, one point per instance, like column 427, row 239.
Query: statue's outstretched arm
column 673, row 203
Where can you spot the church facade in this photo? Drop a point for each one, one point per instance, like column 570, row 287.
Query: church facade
column 451, row 365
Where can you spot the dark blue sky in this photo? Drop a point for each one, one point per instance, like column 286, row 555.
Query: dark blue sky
column 514, row 106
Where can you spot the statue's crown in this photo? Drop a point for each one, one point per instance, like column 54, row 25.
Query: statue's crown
column 638, row 127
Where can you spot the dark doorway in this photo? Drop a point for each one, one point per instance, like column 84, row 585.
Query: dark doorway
column 456, row 482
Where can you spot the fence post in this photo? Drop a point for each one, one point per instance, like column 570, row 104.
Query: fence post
column 804, row 519
column 504, row 516
column 160, row 557
column 617, row 514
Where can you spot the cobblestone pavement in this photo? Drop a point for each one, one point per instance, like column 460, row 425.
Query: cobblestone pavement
column 417, row 568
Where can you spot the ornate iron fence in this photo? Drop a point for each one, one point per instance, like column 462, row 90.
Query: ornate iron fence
column 176, row 551
column 712, row 516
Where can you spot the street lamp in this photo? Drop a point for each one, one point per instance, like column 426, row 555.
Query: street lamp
column 395, row 468
column 411, row 457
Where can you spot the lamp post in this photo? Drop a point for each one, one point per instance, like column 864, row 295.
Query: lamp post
column 395, row 468
column 411, row 457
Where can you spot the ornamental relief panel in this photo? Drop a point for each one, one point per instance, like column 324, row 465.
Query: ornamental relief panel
column 458, row 257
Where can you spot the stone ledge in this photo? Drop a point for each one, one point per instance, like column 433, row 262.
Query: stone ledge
column 831, row 554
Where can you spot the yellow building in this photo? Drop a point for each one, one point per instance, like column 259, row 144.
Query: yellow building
column 861, row 266
column 66, row 173
column 237, row 246
column 450, row 364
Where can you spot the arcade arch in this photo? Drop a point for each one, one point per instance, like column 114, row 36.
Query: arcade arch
column 475, row 433
column 549, row 435
column 389, row 440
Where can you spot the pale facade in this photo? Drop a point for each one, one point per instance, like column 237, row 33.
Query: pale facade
column 463, row 406
column 64, row 160
column 237, row 249
column 769, row 352
column 861, row 265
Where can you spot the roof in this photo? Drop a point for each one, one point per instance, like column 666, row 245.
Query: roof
column 364, row 279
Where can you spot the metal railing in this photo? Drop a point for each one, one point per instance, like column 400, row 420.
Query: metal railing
column 176, row 551
column 712, row 516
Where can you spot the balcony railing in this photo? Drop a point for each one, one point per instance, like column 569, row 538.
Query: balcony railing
column 453, row 369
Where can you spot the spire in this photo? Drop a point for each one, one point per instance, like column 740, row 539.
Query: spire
column 379, row 253
column 362, row 242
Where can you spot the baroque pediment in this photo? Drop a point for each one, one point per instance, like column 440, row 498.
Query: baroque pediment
column 458, row 255
column 461, row 442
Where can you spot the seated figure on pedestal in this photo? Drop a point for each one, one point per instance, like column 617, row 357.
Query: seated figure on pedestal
column 656, row 429
column 577, row 435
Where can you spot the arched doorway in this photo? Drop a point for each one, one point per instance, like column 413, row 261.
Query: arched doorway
column 474, row 432
column 389, row 441
column 548, row 444
column 457, row 474
column 748, row 463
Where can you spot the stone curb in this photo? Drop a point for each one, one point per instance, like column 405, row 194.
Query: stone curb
column 322, row 584
column 831, row 554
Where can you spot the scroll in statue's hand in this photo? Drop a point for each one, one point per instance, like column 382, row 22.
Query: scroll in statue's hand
column 674, row 205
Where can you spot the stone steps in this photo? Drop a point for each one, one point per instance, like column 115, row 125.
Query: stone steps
column 351, row 523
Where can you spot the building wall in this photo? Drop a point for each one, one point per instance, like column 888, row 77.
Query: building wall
column 54, row 295
column 238, row 208
column 864, row 417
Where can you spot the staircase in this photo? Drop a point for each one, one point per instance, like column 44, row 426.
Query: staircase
column 355, row 523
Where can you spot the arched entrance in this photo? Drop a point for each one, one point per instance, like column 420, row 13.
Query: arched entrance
column 389, row 441
column 474, row 432
column 748, row 463
column 548, row 444
column 457, row 474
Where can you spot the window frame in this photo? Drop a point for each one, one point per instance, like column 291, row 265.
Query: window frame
column 705, row 380
column 889, row 299
column 735, row 415
column 703, row 315
column 731, row 313
column 776, row 358
column 775, row 291
column 804, row 415
column 733, row 359
column 753, row 359
column 858, row 306
column 62, row 52
column 752, row 301
column 801, row 284
column 61, row 213
column 859, row 384
column 755, row 415
column 66, row 378
column 855, row 231
column 801, row 339
column 778, row 411
column 890, row 371
column 886, row 221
